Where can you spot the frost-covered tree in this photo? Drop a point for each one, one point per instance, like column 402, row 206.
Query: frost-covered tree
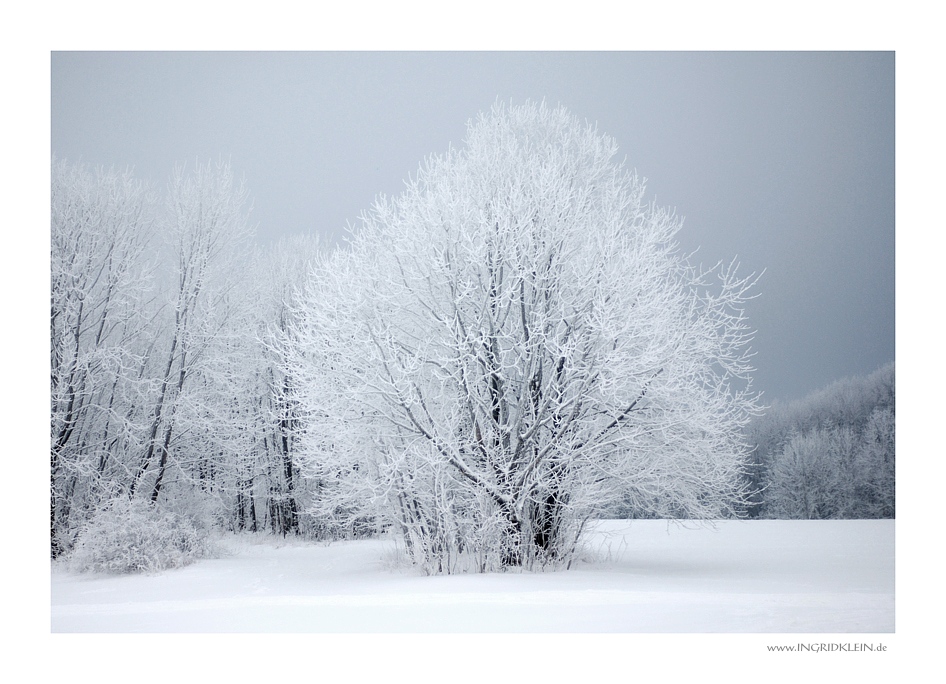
column 208, row 232
column 877, row 465
column 807, row 477
column 514, row 344
column 100, row 289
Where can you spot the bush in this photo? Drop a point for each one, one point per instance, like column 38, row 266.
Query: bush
column 133, row 536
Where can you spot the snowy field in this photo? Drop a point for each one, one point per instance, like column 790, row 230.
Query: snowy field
column 646, row 576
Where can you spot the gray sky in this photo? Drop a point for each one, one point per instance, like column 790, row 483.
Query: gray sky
column 785, row 160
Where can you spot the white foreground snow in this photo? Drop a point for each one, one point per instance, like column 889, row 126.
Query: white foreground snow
column 742, row 576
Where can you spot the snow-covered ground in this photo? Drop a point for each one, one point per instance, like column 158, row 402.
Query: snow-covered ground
column 648, row 576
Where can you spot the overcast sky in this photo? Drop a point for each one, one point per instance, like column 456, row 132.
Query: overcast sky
column 784, row 160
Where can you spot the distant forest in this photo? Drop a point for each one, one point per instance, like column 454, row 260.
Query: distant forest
column 829, row 455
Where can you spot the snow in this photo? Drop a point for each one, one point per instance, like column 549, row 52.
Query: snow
column 635, row 577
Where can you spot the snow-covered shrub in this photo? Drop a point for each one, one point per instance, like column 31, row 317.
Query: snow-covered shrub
column 134, row 536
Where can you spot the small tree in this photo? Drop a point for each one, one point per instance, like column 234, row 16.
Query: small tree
column 806, row 478
column 515, row 344
column 878, row 465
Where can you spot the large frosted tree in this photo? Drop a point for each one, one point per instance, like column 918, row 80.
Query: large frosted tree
column 514, row 344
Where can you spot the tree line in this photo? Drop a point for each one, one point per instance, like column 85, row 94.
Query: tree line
column 163, row 385
column 512, row 347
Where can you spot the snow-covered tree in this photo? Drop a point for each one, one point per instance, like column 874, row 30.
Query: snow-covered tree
column 877, row 465
column 516, row 343
column 208, row 233
column 807, row 477
column 100, row 288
